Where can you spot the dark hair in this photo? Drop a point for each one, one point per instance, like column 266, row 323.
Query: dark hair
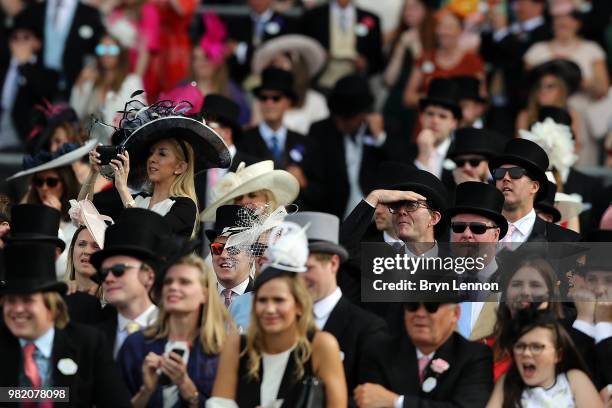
column 569, row 358
column 71, row 190
column 426, row 29
column 5, row 208
column 121, row 71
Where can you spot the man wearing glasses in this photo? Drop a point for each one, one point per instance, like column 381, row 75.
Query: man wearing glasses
column 432, row 364
column 519, row 173
column 126, row 271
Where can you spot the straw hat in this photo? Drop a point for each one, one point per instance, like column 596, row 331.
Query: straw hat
column 312, row 52
column 247, row 179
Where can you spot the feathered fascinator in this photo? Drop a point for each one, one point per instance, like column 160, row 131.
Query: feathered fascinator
column 557, row 142
column 213, row 41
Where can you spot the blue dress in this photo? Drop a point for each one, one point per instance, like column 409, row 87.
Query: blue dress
column 201, row 367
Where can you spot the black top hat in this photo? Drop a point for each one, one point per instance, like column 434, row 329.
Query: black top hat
column 568, row 71
column 24, row 21
column 469, row 140
column 473, row 197
column 443, row 92
column 139, row 233
column 558, row 115
column 30, row 268
column 469, row 88
column 547, row 204
column 407, row 178
column 228, row 216
column 528, row 155
column 275, row 79
column 223, row 109
column 351, row 96
column 35, row 222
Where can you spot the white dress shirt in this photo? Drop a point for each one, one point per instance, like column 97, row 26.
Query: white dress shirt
column 323, row 308
column 236, row 290
column 344, row 17
column 147, row 318
column 524, row 227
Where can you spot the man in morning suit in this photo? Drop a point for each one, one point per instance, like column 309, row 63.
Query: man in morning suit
column 40, row 346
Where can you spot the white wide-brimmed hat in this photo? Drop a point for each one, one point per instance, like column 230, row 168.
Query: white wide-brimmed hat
column 247, row 179
column 312, row 52
column 569, row 205
column 42, row 161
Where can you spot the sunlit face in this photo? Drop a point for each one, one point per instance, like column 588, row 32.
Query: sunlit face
column 600, row 283
column 182, row 290
column 480, row 171
column 134, row 284
column 26, row 316
column 202, row 67
column 48, row 183
column 549, row 91
column 59, row 137
column 84, row 246
column 491, row 235
column 439, row 120
column 535, row 356
column 254, row 199
column 414, row 13
column 413, row 226
column 431, row 330
column 448, row 30
column 273, row 105
column 383, row 218
column 163, row 163
column 517, row 192
column 320, row 278
column 275, row 307
column 526, row 286
column 565, row 26
column 108, row 61
column 230, row 267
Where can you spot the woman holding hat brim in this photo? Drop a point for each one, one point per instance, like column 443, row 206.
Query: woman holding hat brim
column 257, row 185
column 168, row 149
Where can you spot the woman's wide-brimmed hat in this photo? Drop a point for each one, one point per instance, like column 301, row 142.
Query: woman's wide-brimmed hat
column 568, row 71
column 310, row 50
column 43, row 160
column 247, row 179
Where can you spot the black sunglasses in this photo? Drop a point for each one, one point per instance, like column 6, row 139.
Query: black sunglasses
column 431, row 307
column 477, row 228
column 49, row 181
column 410, row 206
column 117, row 270
column 264, row 98
column 473, row 162
column 515, row 172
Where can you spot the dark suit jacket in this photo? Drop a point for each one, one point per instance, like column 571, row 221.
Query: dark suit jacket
column 315, row 24
column 468, row 382
column 96, row 382
column 604, row 357
column 86, row 309
column 109, row 328
column 253, row 144
column 83, row 37
column 34, row 84
column 549, row 232
column 353, row 327
column 325, row 168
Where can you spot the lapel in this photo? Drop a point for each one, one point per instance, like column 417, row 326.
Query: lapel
column 73, row 34
column 249, row 287
column 11, row 355
column 260, row 148
column 485, row 322
column 539, row 232
column 338, row 318
column 324, row 26
column 445, row 352
column 404, row 368
column 63, row 347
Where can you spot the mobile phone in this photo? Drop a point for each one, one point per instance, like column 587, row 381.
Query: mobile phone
column 108, row 153
column 163, row 378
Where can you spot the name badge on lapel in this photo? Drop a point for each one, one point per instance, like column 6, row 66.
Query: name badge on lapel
column 67, row 366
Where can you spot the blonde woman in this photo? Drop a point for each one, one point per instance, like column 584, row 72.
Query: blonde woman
column 164, row 146
column 175, row 360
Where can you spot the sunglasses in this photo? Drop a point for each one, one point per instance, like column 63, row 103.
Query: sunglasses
column 473, row 162
column 514, row 172
column 264, row 98
column 117, row 270
column 409, row 206
column 431, row 307
column 49, row 181
column 477, row 228
column 112, row 50
column 217, row 248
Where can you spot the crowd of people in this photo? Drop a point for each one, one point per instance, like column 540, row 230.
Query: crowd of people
column 200, row 197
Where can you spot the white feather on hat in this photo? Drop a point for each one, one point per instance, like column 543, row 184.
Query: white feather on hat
column 288, row 247
column 557, row 142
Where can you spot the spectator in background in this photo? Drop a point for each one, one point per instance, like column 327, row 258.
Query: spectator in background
column 351, row 36
column 448, row 59
column 135, row 24
column 20, row 96
column 59, row 124
column 473, row 103
column 8, row 10
column 103, row 88
column 304, row 58
column 69, row 37
column 5, row 218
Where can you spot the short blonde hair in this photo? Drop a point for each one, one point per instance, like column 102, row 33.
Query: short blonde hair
column 58, row 308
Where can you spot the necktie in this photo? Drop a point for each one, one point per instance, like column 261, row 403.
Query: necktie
column 275, row 148
column 227, row 294
column 507, row 239
column 56, row 14
column 132, row 327
column 259, row 29
column 30, row 368
column 423, row 362
column 464, row 323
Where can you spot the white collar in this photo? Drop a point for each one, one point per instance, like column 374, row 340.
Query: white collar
column 485, row 273
column 336, row 9
column 528, row 25
column 325, row 306
column 390, row 240
column 265, row 16
column 421, row 354
column 144, row 320
column 44, row 344
column 525, row 224
column 430, row 253
column 238, row 289
column 442, row 148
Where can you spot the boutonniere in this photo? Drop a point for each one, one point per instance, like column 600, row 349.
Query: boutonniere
column 67, row 366
column 273, row 27
column 448, row 164
column 438, row 366
column 297, row 153
column 364, row 26
column 85, row 32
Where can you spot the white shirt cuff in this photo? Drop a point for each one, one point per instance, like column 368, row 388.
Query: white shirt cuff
column 369, row 203
column 500, row 34
column 603, row 330
column 241, row 52
column 420, row 165
column 399, row 402
column 584, row 327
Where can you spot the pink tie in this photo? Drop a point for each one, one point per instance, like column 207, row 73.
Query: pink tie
column 30, row 370
column 423, row 362
column 507, row 239
column 227, row 294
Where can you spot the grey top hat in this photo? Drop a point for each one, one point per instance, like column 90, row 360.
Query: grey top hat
column 322, row 233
